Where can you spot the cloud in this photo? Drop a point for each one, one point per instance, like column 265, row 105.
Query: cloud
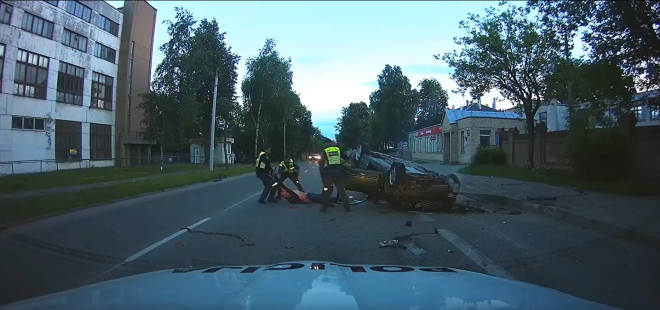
column 427, row 69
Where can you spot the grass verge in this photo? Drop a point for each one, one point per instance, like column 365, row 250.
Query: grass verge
column 12, row 210
column 32, row 181
column 565, row 178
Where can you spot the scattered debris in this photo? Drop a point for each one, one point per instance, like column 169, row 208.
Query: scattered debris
column 330, row 220
column 450, row 251
column 408, row 223
column 514, row 212
column 288, row 247
column 388, row 243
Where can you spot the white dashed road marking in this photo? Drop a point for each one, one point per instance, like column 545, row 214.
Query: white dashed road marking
column 242, row 201
column 473, row 254
column 151, row 247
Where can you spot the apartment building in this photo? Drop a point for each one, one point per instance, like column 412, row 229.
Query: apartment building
column 134, row 78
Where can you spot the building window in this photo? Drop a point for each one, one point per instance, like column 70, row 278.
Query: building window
column 638, row 113
column 27, row 123
column 104, row 52
column 102, row 91
column 37, row 25
column 31, row 75
column 462, row 141
column 79, row 10
column 68, row 137
column 655, row 113
column 5, row 12
column 51, row 2
column 74, row 40
column 484, row 138
column 70, row 81
column 543, row 117
column 100, row 141
column 2, row 62
column 107, row 25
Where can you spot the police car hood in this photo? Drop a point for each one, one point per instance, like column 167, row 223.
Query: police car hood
column 310, row 285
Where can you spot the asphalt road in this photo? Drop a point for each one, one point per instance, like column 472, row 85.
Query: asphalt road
column 143, row 234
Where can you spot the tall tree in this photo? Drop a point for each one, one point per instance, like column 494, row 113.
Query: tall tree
column 393, row 106
column 168, row 112
column 184, row 82
column 507, row 51
column 433, row 100
column 208, row 54
column 626, row 33
column 354, row 125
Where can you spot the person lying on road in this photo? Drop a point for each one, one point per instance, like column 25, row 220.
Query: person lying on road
column 294, row 196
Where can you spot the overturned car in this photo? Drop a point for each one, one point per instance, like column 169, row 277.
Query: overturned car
column 401, row 183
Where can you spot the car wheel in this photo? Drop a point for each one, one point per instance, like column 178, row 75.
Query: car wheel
column 454, row 184
column 396, row 176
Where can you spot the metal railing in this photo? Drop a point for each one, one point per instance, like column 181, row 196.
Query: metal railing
column 48, row 165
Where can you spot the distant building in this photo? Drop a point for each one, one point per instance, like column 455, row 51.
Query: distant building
column 457, row 137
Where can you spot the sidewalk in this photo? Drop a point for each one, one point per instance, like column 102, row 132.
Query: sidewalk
column 80, row 187
column 632, row 218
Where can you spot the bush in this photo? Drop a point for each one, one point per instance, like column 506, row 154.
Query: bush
column 602, row 154
column 489, row 156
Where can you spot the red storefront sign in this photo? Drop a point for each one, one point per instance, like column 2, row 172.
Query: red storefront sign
column 435, row 130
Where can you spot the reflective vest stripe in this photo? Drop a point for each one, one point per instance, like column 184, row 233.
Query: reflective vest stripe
column 333, row 155
column 258, row 163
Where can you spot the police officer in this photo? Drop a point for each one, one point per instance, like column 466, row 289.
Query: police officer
column 264, row 172
column 333, row 172
column 290, row 170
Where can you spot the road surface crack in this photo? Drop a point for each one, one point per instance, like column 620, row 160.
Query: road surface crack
column 212, row 233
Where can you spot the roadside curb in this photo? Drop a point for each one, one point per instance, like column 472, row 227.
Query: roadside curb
column 41, row 217
column 628, row 234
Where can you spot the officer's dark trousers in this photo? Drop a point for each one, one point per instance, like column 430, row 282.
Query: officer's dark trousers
column 334, row 176
column 270, row 186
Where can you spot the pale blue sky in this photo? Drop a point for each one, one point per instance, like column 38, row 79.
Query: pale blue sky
column 338, row 48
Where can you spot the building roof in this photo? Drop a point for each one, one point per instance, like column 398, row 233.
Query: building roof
column 455, row 115
column 475, row 106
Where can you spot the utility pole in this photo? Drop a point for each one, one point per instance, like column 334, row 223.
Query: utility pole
column 284, row 136
column 215, row 98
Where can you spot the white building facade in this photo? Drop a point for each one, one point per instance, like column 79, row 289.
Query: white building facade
column 59, row 73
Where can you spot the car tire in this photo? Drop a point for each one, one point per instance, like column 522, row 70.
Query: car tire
column 395, row 177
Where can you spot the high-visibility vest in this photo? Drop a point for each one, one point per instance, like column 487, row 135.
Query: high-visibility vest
column 333, row 154
column 259, row 163
column 288, row 166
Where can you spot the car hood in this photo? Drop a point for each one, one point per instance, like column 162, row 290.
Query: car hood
column 309, row 285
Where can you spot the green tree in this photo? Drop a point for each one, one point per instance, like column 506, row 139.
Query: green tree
column 393, row 108
column 268, row 76
column 182, row 95
column 354, row 125
column 208, row 54
column 432, row 103
column 618, row 32
column 168, row 112
column 507, row 51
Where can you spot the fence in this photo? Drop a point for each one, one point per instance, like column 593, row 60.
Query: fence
column 47, row 165
column 551, row 149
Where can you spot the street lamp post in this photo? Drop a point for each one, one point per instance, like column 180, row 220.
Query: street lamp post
column 215, row 98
